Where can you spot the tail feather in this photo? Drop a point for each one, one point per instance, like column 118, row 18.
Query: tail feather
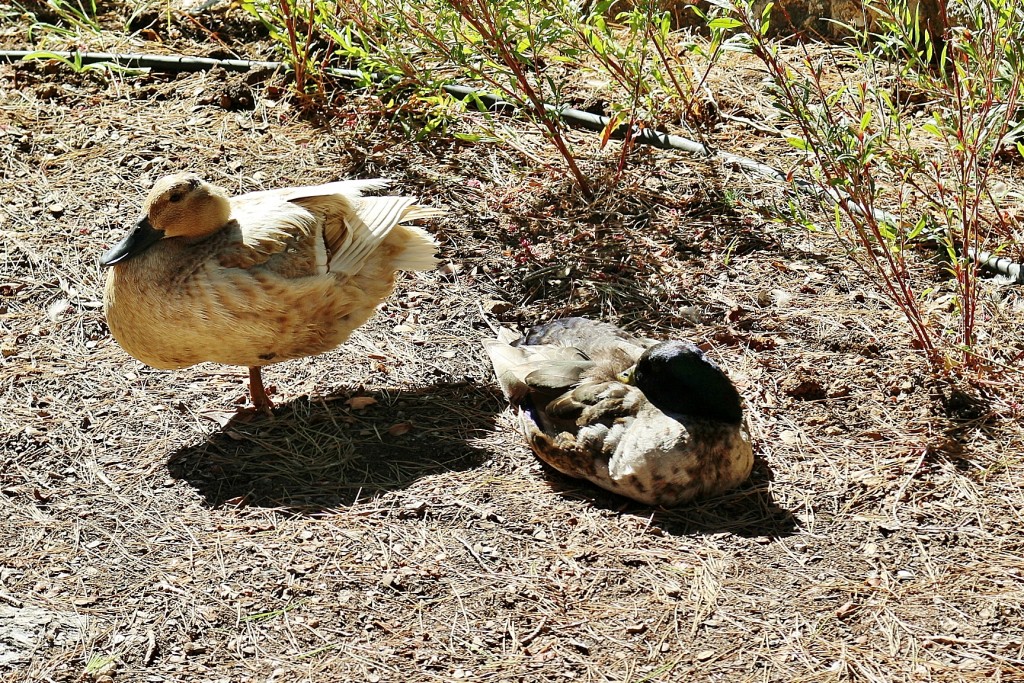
column 416, row 212
column 420, row 249
column 368, row 225
column 557, row 366
column 505, row 359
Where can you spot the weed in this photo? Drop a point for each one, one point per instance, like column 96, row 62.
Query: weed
column 75, row 63
column 525, row 52
column 855, row 135
column 272, row 614
column 62, row 18
column 98, row 663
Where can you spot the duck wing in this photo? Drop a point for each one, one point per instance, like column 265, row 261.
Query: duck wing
column 592, row 403
column 270, row 222
column 513, row 364
column 559, row 387
column 260, row 230
column 355, row 227
column 592, row 337
column 325, row 228
column 348, row 188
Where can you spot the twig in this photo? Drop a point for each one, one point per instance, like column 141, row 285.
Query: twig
column 756, row 125
column 472, row 552
column 147, row 659
column 11, row 600
column 528, row 638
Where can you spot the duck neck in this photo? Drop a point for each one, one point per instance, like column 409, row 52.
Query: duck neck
column 216, row 214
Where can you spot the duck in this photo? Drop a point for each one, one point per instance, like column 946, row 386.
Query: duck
column 258, row 278
column 655, row 421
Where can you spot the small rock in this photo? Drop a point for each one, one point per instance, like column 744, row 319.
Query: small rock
column 496, row 306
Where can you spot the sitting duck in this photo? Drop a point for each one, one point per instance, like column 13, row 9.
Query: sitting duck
column 658, row 422
column 257, row 278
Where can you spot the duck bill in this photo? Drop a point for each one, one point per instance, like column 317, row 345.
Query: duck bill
column 138, row 240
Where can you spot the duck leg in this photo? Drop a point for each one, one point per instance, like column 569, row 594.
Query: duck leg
column 260, row 400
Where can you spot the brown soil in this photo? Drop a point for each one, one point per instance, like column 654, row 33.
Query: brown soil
column 150, row 533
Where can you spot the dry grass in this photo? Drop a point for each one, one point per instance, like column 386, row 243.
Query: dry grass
column 416, row 538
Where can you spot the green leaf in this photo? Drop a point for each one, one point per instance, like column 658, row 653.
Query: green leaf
column 75, row 65
column 885, row 229
column 865, row 121
column 917, row 229
column 724, row 23
column 476, row 137
column 799, row 143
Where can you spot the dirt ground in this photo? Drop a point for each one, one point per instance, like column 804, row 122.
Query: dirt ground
column 149, row 534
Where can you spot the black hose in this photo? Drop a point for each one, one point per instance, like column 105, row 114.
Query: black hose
column 575, row 117
column 162, row 63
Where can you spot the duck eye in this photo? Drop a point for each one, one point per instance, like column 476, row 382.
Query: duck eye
column 176, row 197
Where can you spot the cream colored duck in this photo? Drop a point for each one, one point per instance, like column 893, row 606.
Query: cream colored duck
column 658, row 422
column 258, row 278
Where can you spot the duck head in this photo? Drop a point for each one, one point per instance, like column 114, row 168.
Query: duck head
column 179, row 205
column 678, row 378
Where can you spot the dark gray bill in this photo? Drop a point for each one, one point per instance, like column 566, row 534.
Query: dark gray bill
column 138, row 240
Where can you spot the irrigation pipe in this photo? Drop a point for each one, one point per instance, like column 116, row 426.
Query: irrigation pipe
column 574, row 117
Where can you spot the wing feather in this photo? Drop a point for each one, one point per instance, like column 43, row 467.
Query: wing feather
column 367, row 225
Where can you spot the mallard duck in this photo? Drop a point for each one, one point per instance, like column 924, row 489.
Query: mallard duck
column 658, row 422
column 257, row 278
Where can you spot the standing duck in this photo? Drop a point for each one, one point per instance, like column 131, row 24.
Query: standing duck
column 257, row 278
column 658, row 422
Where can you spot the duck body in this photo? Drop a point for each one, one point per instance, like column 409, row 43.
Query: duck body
column 658, row 422
column 258, row 278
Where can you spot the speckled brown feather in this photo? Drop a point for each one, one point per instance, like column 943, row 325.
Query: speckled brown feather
column 587, row 423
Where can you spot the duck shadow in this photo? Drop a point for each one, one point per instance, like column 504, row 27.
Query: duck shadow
column 326, row 453
column 749, row 511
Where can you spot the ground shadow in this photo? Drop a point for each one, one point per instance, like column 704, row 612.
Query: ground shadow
column 748, row 511
column 328, row 453
column 632, row 250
